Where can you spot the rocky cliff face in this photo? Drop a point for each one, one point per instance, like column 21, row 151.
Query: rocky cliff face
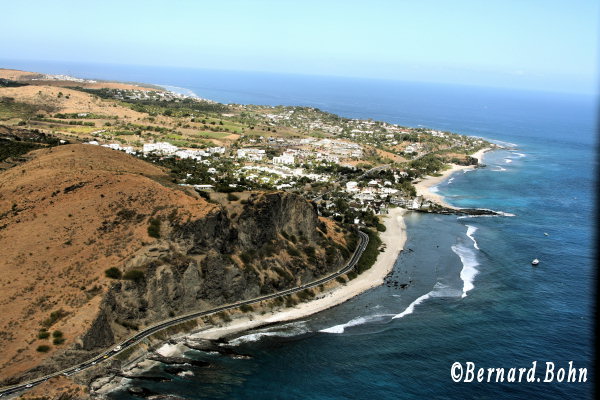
column 276, row 242
column 70, row 214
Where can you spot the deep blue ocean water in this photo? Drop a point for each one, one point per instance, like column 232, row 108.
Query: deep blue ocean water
column 401, row 343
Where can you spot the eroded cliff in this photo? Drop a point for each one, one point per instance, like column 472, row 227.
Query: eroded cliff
column 73, row 212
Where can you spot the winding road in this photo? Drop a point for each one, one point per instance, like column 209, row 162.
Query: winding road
column 132, row 341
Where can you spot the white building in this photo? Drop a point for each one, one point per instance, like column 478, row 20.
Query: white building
column 117, row 146
column 352, row 187
column 163, row 148
column 214, row 150
column 286, row 159
column 251, row 154
column 193, row 154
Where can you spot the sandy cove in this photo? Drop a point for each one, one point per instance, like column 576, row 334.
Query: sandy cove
column 393, row 238
column 423, row 187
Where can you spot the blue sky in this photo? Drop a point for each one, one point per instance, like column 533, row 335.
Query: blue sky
column 529, row 44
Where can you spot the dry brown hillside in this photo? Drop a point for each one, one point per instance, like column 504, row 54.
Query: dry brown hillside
column 66, row 216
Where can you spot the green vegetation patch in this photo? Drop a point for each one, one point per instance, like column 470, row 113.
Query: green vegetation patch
column 54, row 317
column 113, row 273
column 11, row 83
column 9, row 148
column 369, row 256
column 213, row 135
column 58, row 341
column 134, row 275
column 232, row 197
column 246, row 308
column 12, row 109
column 43, row 348
column 154, row 228
column 43, row 334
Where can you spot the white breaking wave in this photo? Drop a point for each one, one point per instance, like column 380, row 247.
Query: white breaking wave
column 287, row 330
column 450, row 180
column 470, row 231
column 439, row 290
column 519, row 154
column 500, row 169
column 185, row 373
column 411, row 306
column 505, row 214
column 433, row 189
column 354, row 322
column 507, row 160
column 469, row 262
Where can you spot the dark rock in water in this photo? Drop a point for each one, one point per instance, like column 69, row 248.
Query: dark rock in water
column 202, row 345
column 178, row 360
column 153, row 378
column 403, row 285
column 461, row 211
column 138, row 391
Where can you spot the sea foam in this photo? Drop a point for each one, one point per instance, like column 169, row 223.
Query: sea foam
column 287, row 330
column 411, row 307
column 441, row 290
column 354, row 322
column 469, row 262
column 470, row 231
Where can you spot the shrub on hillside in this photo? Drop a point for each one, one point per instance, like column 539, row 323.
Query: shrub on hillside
column 43, row 348
column 246, row 308
column 43, row 334
column 134, row 275
column 113, row 273
column 57, row 341
column 154, row 228
column 232, row 197
column 54, row 316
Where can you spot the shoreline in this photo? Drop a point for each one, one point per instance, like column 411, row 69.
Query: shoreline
column 393, row 239
column 424, row 186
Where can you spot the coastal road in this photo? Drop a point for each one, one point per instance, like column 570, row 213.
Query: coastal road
column 362, row 245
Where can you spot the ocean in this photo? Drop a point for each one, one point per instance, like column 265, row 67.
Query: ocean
column 472, row 294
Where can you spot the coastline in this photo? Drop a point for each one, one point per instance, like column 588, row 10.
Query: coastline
column 424, row 186
column 393, row 239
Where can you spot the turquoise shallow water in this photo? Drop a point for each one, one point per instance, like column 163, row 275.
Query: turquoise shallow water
column 512, row 314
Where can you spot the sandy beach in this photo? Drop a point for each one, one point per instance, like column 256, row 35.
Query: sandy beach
column 393, row 238
column 423, row 187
